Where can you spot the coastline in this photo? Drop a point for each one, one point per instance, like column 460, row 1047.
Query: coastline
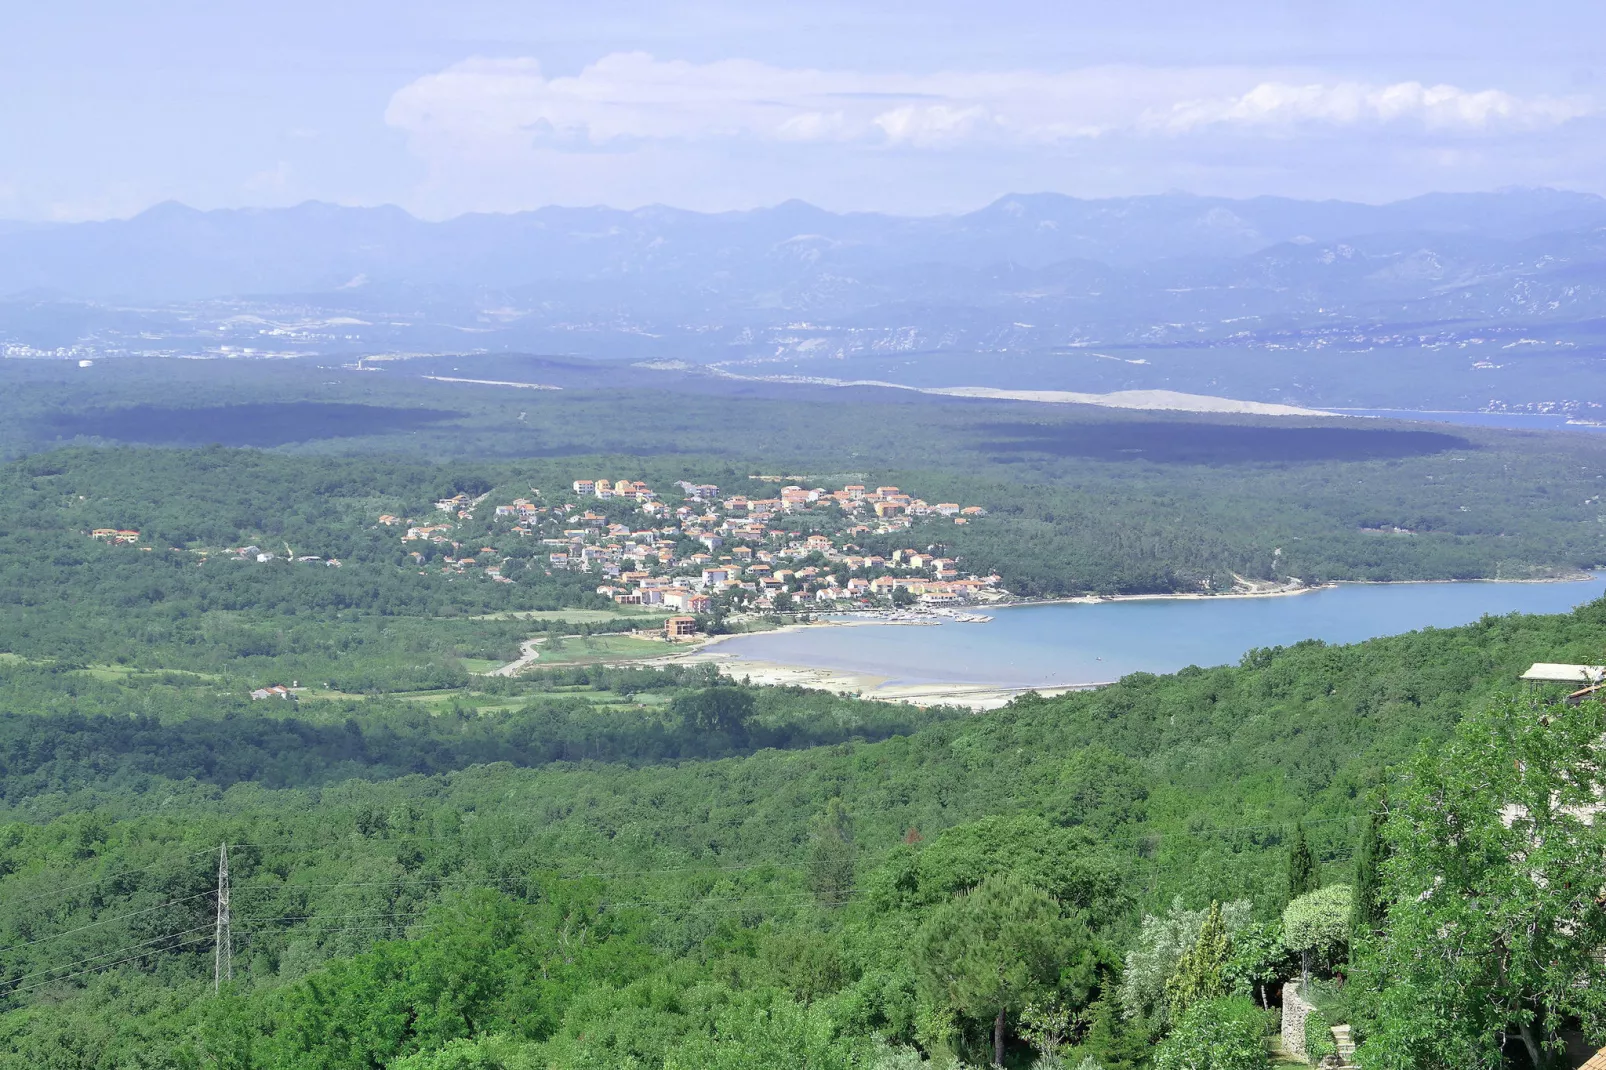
column 977, row 696
column 1280, row 592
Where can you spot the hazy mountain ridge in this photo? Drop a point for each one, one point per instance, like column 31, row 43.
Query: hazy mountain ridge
column 171, row 252
column 1027, row 275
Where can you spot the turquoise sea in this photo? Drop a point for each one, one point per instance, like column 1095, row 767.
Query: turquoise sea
column 1062, row 644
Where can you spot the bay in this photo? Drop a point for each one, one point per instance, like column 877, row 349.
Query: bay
column 1065, row 644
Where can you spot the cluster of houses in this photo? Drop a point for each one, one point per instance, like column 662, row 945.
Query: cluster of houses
column 125, row 536
column 739, row 548
column 679, row 554
column 452, row 558
column 238, row 553
column 262, row 557
column 884, row 503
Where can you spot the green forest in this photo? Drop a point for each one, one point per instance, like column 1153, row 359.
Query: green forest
column 599, row 864
column 885, row 899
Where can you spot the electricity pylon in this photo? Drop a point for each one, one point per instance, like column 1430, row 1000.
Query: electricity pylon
column 223, row 949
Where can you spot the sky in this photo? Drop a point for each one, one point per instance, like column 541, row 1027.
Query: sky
column 914, row 108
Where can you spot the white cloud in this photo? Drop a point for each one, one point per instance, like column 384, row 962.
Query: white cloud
column 1440, row 108
column 508, row 106
column 630, row 129
column 496, row 106
column 932, row 124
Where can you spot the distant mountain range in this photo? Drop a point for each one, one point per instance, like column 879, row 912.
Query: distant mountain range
column 1028, row 274
column 171, row 252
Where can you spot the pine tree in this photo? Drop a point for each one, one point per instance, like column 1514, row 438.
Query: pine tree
column 1302, row 877
column 1201, row 973
column 832, row 855
column 989, row 952
column 1368, row 914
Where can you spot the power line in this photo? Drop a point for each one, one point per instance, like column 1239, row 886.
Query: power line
column 56, row 893
column 103, row 954
column 386, row 927
column 321, row 917
column 439, row 881
column 223, row 956
column 1133, row 838
column 201, row 935
column 106, row 921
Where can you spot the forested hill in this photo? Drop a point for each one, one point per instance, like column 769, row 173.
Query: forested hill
column 778, row 906
column 1056, row 524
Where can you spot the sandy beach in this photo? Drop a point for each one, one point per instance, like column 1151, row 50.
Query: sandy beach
column 976, row 696
column 864, row 685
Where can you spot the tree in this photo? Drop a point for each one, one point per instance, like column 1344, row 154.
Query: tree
column 1369, row 913
column 989, row 952
column 1495, row 927
column 724, row 710
column 1161, row 944
column 1218, row 1034
column 1068, row 864
column 832, row 855
column 1101, row 789
column 494, row 1052
column 758, row 1033
column 1316, row 925
column 1201, row 973
column 1259, row 959
column 1045, row 1026
column 1302, row 876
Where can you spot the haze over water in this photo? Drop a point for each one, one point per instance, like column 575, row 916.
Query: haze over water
column 1063, row 644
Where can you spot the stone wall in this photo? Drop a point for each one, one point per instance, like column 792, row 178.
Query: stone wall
column 1295, row 1011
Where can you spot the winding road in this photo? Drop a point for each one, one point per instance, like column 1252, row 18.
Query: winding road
column 528, row 655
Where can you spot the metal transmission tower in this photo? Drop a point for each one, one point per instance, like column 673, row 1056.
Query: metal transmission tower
column 223, row 951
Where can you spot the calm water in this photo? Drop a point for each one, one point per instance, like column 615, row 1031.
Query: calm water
column 1520, row 421
column 1075, row 644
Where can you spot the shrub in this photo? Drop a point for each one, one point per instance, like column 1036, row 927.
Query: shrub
column 1218, row 1034
column 1318, row 1038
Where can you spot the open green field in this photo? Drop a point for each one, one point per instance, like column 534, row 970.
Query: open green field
column 594, row 649
column 635, row 616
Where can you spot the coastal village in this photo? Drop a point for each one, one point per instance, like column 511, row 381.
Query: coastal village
column 693, row 554
column 683, row 551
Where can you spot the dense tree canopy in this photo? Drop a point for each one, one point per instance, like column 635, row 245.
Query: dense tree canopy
column 1495, row 928
column 592, row 865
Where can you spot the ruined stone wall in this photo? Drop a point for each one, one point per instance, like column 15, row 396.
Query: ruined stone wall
column 1295, row 1011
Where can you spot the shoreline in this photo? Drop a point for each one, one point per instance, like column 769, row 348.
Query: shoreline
column 1279, row 592
column 871, row 686
column 976, row 695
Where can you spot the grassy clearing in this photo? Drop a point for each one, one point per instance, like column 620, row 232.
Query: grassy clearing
column 577, row 616
column 121, row 673
column 489, row 705
column 591, row 649
column 325, row 694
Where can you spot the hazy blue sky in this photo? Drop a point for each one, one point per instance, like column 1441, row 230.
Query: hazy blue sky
column 914, row 107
